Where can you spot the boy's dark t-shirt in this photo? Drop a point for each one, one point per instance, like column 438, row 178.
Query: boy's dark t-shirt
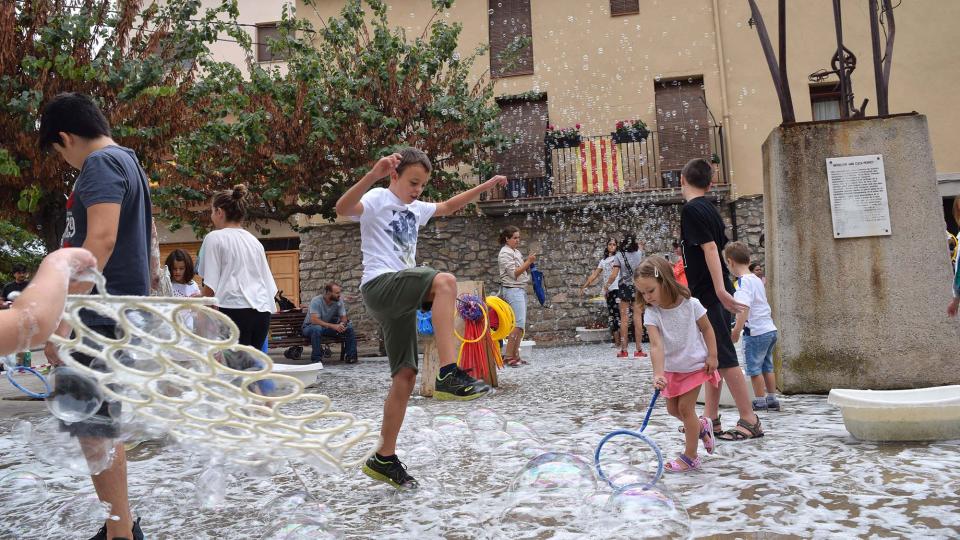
column 700, row 223
column 113, row 175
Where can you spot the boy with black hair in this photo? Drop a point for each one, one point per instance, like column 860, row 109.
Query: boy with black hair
column 702, row 239
column 108, row 213
column 21, row 278
column 394, row 288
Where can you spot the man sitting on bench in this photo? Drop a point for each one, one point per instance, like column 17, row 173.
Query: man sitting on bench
column 327, row 317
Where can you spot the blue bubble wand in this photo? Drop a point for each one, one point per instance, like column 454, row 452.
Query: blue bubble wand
column 639, row 435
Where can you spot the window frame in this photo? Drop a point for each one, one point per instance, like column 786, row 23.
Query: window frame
column 261, row 43
column 621, row 12
column 496, row 70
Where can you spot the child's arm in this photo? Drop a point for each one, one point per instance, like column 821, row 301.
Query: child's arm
column 349, row 203
column 738, row 326
column 703, row 323
column 712, row 257
column 455, row 203
column 656, row 356
column 38, row 309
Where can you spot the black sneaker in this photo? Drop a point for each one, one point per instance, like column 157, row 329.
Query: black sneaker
column 390, row 471
column 457, row 385
column 137, row 533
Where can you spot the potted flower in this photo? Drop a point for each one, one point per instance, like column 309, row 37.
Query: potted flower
column 630, row 131
column 563, row 137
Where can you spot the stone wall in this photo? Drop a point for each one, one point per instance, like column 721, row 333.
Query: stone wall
column 569, row 243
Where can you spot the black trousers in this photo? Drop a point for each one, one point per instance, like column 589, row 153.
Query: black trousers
column 254, row 325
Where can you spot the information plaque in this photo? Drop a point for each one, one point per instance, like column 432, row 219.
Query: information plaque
column 858, row 196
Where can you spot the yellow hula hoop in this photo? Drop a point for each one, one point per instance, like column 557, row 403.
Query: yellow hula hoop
column 486, row 326
column 504, row 314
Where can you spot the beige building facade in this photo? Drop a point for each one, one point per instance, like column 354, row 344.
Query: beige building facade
column 596, row 66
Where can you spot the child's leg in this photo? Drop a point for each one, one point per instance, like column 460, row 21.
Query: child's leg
column 673, row 409
column 770, row 381
column 638, row 324
column 687, row 412
column 443, row 295
column 759, row 388
column 624, row 324
column 395, row 408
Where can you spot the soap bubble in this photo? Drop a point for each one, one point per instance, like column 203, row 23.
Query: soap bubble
column 416, row 416
column 211, row 487
column 302, row 527
column 21, row 431
column 491, row 441
column 485, row 420
column 51, row 445
column 627, row 459
column 423, row 455
column 638, row 511
column 21, row 486
column 296, row 503
column 75, row 397
column 81, row 510
column 556, row 471
column 452, row 428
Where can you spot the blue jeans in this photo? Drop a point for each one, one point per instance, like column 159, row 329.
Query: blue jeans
column 315, row 332
column 758, row 352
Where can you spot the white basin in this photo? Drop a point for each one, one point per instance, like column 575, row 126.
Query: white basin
column 592, row 335
column 307, row 373
column 921, row 414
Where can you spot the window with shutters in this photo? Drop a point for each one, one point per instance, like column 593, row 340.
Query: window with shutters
column 266, row 32
column 825, row 101
column 511, row 38
column 624, row 7
column 683, row 127
column 525, row 123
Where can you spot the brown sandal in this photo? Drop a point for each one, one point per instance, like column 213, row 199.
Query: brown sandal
column 512, row 362
column 754, row 431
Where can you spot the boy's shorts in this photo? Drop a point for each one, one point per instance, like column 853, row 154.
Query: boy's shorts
column 721, row 320
column 393, row 299
column 103, row 424
column 758, row 352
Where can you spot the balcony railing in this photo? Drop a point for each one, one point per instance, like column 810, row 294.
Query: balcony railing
column 599, row 165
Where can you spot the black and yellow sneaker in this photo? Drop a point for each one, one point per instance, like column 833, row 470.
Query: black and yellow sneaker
column 389, row 470
column 457, row 385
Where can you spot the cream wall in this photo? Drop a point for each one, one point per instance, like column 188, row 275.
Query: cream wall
column 597, row 69
column 251, row 12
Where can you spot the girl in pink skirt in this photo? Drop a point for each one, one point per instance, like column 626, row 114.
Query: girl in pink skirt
column 683, row 351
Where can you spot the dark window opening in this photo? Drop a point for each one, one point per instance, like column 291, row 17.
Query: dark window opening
column 825, row 101
column 624, row 7
column 265, row 33
column 511, row 38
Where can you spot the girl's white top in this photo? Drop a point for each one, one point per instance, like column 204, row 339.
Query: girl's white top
column 187, row 289
column 232, row 263
column 606, row 265
column 684, row 350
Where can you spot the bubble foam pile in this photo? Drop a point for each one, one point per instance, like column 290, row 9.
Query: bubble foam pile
column 175, row 364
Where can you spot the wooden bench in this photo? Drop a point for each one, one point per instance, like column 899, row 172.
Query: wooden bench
column 286, row 332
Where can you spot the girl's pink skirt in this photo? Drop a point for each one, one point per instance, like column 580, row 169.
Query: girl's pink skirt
column 679, row 384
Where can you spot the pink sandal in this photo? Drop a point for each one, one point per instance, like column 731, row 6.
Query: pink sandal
column 706, row 434
column 682, row 464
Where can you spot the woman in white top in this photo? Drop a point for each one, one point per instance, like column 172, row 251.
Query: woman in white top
column 603, row 271
column 514, row 276
column 624, row 265
column 235, row 270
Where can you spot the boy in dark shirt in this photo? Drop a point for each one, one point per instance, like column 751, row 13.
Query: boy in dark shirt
column 108, row 213
column 702, row 238
column 19, row 283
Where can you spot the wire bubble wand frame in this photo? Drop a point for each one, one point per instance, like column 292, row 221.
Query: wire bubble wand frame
column 176, row 364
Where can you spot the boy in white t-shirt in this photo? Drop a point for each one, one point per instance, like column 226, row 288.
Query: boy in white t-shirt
column 394, row 288
column 761, row 334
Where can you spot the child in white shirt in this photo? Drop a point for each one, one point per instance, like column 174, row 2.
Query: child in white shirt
column 756, row 325
column 683, row 351
column 394, row 288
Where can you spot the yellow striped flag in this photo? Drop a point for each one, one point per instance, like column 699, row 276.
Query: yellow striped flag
column 600, row 168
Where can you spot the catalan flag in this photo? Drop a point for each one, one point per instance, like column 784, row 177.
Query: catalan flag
column 600, row 168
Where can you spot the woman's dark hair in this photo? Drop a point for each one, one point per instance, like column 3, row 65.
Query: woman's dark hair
column 629, row 243
column 181, row 255
column 413, row 156
column 233, row 202
column 606, row 248
column 507, row 233
column 74, row 113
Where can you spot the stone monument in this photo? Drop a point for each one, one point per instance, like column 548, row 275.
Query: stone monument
column 859, row 282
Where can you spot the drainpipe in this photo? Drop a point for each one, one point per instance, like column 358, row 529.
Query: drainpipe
column 724, row 109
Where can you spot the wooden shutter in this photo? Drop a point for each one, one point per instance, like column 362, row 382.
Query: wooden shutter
column 266, row 32
column 509, row 21
column 525, row 122
column 624, row 7
column 683, row 128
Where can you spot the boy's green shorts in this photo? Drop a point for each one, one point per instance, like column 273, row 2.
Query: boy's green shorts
column 393, row 299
